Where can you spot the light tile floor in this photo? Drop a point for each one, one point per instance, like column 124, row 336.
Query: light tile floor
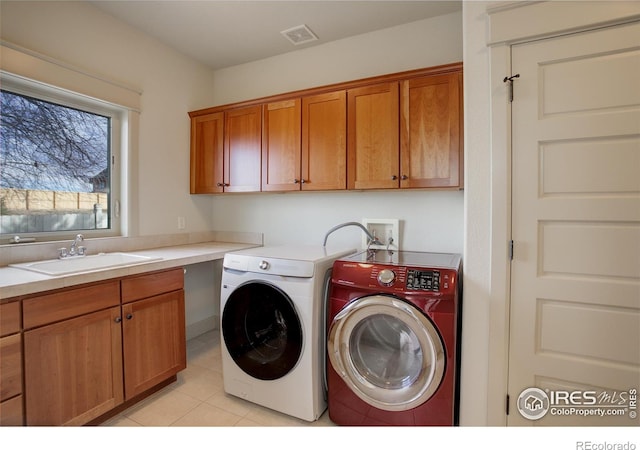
column 198, row 398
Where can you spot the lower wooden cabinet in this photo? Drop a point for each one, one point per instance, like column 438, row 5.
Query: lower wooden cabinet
column 73, row 369
column 80, row 365
column 11, row 410
column 153, row 341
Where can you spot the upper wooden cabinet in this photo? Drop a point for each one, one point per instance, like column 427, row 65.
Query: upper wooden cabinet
column 242, row 149
column 281, row 146
column 372, row 130
column 324, row 141
column 393, row 131
column 207, row 150
column 304, row 143
column 431, row 131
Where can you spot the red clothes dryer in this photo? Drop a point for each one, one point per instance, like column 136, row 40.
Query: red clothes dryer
column 393, row 339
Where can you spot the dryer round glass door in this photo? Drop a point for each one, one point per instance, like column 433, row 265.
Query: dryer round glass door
column 262, row 331
column 387, row 351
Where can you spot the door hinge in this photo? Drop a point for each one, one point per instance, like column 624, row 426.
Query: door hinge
column 510, row 81
column 507, row 405
column 511, row 250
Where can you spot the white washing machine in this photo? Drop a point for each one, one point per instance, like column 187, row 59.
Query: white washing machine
column 273, row 325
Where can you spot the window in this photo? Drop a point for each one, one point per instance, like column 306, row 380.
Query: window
column 57, row 157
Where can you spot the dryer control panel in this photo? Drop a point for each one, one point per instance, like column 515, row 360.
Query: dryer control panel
column 405, row 273
column 423, row 280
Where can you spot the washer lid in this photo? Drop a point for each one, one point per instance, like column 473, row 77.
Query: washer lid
column 292, row 261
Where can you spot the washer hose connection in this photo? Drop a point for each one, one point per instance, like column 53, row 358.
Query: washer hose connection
column 372, row 238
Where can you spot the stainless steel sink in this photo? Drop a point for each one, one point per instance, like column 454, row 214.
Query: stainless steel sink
column 79, row 264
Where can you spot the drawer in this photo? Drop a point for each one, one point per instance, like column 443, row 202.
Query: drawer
column 67, row 303
column 11, row 412
column 148, row 285
column 9, row 318
column 10, row 366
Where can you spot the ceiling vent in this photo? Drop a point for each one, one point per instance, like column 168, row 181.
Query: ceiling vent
column 299, row 35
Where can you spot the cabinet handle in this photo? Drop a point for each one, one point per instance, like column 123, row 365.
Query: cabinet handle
column 404, row 177
column 303, row 181
column 117, row 319
column 129, row 316
column 296, row 181
column 394, row 177
column 220, row 184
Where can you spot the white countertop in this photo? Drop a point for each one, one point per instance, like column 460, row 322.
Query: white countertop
column 15, row 282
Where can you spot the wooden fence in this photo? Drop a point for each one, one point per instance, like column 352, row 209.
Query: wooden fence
column 16, row 200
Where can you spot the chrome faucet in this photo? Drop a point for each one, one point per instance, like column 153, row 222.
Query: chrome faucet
column 372, row 238
column 75, row 249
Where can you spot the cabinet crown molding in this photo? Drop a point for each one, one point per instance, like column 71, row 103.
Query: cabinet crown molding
column 399, row 76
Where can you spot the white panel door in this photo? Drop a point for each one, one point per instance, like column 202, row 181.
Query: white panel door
column 575, row 294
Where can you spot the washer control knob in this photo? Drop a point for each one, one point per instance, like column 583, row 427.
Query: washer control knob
column 264, row 265
column 386, row 277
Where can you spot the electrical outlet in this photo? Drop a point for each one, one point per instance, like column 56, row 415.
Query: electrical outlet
column 181, row 223
column 387, row 231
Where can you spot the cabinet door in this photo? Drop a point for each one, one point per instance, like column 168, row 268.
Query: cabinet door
column 11, row 380
column 242, row 152
column 9, row 318
column 11, row 412
column 431, row 138
column 10, row 366
column 138, row 287
column 154, row 341
column 73, row 369
column 207, row 149
column 324, row 141
column 373, row 142
column 281, row 146
column 56, row 306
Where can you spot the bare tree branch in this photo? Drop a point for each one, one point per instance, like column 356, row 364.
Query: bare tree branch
column 48, row 146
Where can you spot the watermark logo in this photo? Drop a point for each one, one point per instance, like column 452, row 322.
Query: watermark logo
column 590, row 445
column 535, row 403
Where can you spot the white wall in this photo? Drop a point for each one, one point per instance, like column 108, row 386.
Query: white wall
column 430, row 221
column 477, row 218
column 487, row 209
column 424, row 43
column 172, row 85
column 79, row 34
